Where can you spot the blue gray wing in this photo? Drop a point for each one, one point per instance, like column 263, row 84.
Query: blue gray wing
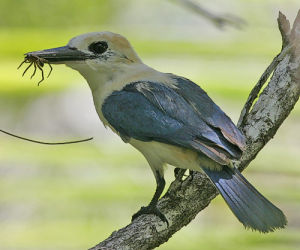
column 150, row 111
column 208, row 110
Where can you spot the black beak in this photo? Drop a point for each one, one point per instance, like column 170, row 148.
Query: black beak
column 60, row 55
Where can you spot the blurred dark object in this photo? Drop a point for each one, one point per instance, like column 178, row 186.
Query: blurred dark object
column 220, row 21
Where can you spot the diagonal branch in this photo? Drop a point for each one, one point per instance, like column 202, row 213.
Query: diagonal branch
column 219, row 20
column 185, row 199
column 262, row 80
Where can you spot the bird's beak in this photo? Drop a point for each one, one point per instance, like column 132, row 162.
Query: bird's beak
column 59, row 55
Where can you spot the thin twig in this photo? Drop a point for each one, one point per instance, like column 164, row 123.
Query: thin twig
column 44, row 143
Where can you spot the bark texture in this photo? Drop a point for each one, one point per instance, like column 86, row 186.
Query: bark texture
column 259, row 122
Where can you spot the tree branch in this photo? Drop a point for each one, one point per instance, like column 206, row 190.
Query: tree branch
column 185, row 199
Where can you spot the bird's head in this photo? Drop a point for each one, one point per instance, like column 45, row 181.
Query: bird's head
column 91, row 52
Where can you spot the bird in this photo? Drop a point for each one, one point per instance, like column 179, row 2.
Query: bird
column 169, row 119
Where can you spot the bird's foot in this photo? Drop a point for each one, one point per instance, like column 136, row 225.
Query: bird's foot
column 179, row 173
column 151, row 209
column 192, row 174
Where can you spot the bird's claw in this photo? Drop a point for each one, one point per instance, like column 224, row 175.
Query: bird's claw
column 179, row 173
column 151, row 210
column 192, row 174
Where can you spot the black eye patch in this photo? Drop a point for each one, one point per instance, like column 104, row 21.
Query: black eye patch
column 98, row 47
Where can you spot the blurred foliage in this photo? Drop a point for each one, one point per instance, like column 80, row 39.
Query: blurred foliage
column 49, row 13
column 72, row 197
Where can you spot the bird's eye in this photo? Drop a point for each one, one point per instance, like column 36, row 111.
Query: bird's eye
column 98, row 47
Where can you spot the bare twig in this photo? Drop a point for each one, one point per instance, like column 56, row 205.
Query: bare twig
column 185, row 199
column 42, row 142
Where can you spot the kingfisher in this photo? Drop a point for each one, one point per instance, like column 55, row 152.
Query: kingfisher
column 169, row 119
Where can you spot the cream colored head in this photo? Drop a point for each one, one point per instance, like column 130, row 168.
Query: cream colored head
column 118, row 47
column 96, row 51
column 108, row 52
column 100, row 57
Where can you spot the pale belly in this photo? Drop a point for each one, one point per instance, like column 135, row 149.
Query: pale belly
column 158, row 154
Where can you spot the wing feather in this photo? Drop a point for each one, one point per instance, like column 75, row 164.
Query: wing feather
column 153, row 111
column 208, row 110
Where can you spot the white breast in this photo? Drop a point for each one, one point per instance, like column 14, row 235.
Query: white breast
column 159, row 154
column 104, row 85
column 156, row 153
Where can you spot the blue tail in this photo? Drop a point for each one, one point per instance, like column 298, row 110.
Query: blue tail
column 247, row 204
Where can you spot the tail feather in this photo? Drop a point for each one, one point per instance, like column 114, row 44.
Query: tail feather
column 251, row 208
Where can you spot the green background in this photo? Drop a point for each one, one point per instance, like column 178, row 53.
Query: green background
column 72, row 197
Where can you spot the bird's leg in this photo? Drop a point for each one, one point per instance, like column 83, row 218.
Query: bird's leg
column 152, row 207
column 179, row 173
column 191, row 172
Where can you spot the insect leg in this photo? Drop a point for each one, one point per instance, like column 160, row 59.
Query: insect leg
column 27, row 68
column 50, row 70
column 33, row 71
column 25, row 60
column 41, row 69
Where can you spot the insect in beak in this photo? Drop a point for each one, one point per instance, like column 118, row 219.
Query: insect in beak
column 59, row 55
column 38, row 63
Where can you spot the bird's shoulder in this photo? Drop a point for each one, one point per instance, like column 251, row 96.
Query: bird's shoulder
column 182, row 98
column 177, row 112
column 208, row 109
